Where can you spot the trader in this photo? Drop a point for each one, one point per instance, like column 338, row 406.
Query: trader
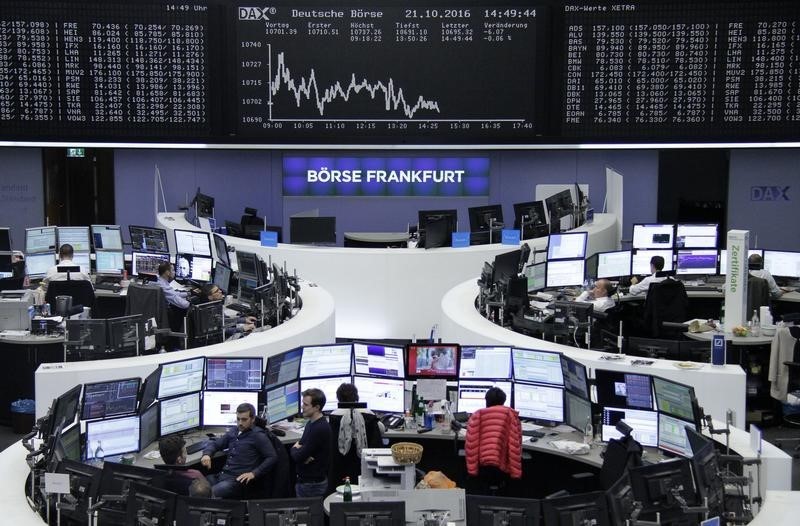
column 656, row 266
column 599, row 296
column 173, row 453
column 250, row 455
column 65, row 255
column 756, row 265
column 234, row 323
column 311, row 454
column 166, row 274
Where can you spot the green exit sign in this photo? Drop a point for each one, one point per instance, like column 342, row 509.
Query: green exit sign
column 75, row 152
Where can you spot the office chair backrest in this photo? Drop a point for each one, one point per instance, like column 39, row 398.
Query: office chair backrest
column 148, row 301
column 620, row 455
column 666, row 301
column 757, row 294
column 81, row 291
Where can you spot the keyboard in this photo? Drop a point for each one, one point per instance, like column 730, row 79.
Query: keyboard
column 196, row 447
column 532, row 433
column 703, row 288
column 239, row 307
column 107, row 286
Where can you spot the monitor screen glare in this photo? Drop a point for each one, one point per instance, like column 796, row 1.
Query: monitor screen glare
column 326, row 360
column 653, row 236
column 485, row 362
column 538, row 366
column 644, row 424
column 614, row 264
column 539, row 402
column 472, row 394
column 696, row 262
column 385, row 395
column 379, row 360
column 569, row 273
column 567, row 246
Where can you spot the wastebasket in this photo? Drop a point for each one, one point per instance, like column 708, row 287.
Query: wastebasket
column 22, row 416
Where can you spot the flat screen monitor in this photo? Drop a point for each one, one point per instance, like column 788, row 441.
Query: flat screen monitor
column 672, row 435
column 248, row 264
column 586, row 508
column 83, row 260
column 436, row 227
column 640, row 262
column 541, row 367
column 84, row 484
column 149, row 505
column 485, row 362
column 247, row 287
column 109, row 262
column 485, row 218
column 282, row 368
column 193, row 242
column 234, row 374
column 65, row 408
column 653, row 236
column 506, row 266
column 723, row 259
column 614, row 264
column 41, row 239
column 566, row 246
column 184, row 376
column 222, row 277
column 115, row 436
column 89, row 335
column 697, row 261
column 559, row 205
column 327, row 386
column 567, row 273
column 539, row 402
column 621, row 389
column 148, row 239
column 148, row 426
column 204, row 204
column 221, row 248
column 389, row 513
column 68, row 444
column 326, row 360
column 5, row 240
column 149, row 389
column 696, row 235
column 179, row 413
column 653, row 484
column 77, row 236
column 577, row 411
column 492, row 510
column 576, row 378
column 674, row 398
column 6, row 268
column 104, row 399
column 432, row 361
column 280, row 512
column 644, row 424
column 125, row 334
column 536, row 275
column 196, row 268
column 312, row 230
column 385, row 395
column 146, row 265
column 782, row 263
column 283, row 402
column 37, row 265
column 379, row 360
column 219, row 407
column 191, row 511
column 472, row 394
column 529, row 213
column 107, row 237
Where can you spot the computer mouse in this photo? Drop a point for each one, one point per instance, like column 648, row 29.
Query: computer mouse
column 278, row 432
column 534, row 439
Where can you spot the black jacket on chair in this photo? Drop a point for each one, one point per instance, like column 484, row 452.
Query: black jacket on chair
column 148, row 301
column 666, row 301
column 757, row 294
column 349, row 465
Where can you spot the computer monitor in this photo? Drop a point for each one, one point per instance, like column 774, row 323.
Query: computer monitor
column 206, row 320
column 109, row 262
column 621, row 389
column 37, row 265
column 388, row 513
column 179, row 413
column 87, row 335
column 6, row 268
column 576, row 378
column 247, row 287
column 282, row 368
column 41, row 239
column 67, row 445
column 379, row 360
column 222, row 250
column 327, row 386
column 577, row 411
column 181, row 377
column 222, row 277
column 283, row 402
column 106, row 237
column 491, row 511
column 542, row 367
column 84, row 483
column 709, row 484
column 644, row 424
column 485, row 362
column 585, row 508
column 219, row 407
column 506, row 266
column 234, row 374
column 782, row 263
column 674, row 398
column 194, row 242
column 196, row 268
column 248, row 264
column 125, row 334
column 113, row 436
column 536, row 275
column 559, row 205
column 77, row 236
column 5, row 239
column 653, row 236
column 472, row 394
column 385, row 395
column 146, row 265
column 566, row 246
column 326, row 360
column 312, row 230
column 621, row 501
column 193, row 511
column 614, row 264
column 104, row 399
column 640, row 262
column 698, row 261
column 203, row 204
column 155, row 505
column 653, row 485
column 117, row 479
column 149, row 427
column 436, row 227
column 149, row 389
column 148, row 239
column 83, row 260
column 672, row 435
column 723, row 259
column 64, row 409
column 567, row 273
column 696, row 235
column 539, row 402
column 432, row 360
column 485, row 218
column 280, row 512
column 529, row 214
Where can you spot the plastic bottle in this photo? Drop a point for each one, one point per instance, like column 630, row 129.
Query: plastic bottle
column 756, row 324
column 408, row 422
column 722, row 317
column 588, row 431
column 163, row 350
column 99, row 453
column 421, row 413
column 347, row 493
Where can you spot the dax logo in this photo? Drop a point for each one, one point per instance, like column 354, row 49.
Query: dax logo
column 256, row 13
column 769, row 193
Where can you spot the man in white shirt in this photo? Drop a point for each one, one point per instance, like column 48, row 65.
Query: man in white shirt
column 640, row 287
column 756, row 266
column 65, row 255
column 599, row 296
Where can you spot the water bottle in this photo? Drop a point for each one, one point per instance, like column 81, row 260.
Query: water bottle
column 408, row 422
column 99, row 453
column 347, row 493
column 722, row 317
column 588, row 431
column 421, row 413
column 756, row 324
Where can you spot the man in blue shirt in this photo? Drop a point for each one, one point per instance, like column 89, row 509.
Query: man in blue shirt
column 250, row 455
column 311, row 454
column 166, row 273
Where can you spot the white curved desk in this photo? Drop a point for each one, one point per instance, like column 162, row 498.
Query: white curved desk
column 390, row 292
column 313, row 324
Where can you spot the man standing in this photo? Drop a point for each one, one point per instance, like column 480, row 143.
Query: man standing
column 250, row 455
column 166, row 273
column 311, row 454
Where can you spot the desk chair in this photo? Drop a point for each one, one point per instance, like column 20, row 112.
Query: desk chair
column 620, row 455
column 757, row 294
column 148, row 301
column 81, row 291
column 666, row 302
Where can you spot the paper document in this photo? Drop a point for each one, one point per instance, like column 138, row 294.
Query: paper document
column 431, row 389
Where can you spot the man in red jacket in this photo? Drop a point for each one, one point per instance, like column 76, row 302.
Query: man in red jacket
column 494, row 441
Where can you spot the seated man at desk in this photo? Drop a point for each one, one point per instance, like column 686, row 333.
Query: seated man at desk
column 65, row 255
column 177, row 298
column 173, row 453
column 639, row 288
column 235, row 324
column 756, row 265
column 599, row 296
column 250, row 455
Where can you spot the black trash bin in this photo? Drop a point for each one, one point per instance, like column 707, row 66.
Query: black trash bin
column 22, row 416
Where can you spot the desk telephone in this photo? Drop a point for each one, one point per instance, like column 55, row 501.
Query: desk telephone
column 392, row 421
